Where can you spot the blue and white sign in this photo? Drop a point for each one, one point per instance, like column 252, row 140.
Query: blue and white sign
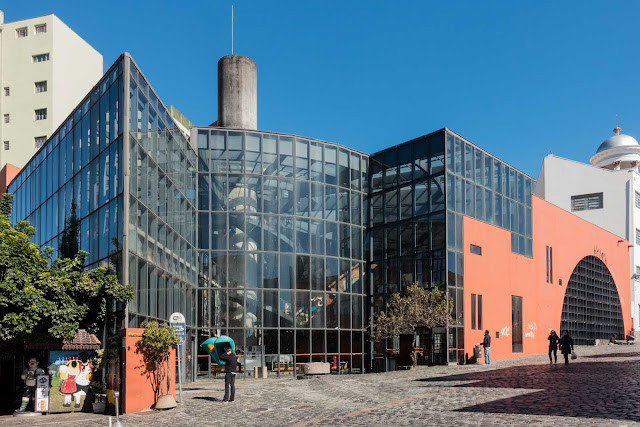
column 179, row 325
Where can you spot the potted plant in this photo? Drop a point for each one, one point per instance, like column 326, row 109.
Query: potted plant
column 157, row 341
column 98, row 387
column 99, row 390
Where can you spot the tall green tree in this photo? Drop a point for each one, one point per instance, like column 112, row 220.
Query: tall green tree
column 411, row 311
column 44, row 300
column 69, row 245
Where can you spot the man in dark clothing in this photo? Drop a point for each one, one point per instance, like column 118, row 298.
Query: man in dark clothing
column 553, row 346
column 230, row 368
column 566, row 346
column 486, row 343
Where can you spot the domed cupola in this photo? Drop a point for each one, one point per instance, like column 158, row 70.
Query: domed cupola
column 617, row 152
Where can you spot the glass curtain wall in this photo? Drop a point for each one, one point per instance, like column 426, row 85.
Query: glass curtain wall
column 280, row 231
column 407, row 233
column 162, row 214
column 81, row 164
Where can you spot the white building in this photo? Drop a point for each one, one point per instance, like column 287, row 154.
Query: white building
column 606, row 193
column 45, row 71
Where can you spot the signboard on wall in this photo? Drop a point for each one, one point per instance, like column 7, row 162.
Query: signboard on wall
column 42, row 393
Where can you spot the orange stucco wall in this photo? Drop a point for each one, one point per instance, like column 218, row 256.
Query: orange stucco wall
column 498, row 274
column 137, row 390
column 7, row 174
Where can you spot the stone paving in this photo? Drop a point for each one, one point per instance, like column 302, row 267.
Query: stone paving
column 601, row 387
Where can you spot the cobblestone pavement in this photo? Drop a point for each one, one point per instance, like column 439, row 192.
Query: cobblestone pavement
column 602, row 387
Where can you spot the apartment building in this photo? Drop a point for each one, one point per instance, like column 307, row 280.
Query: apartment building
column 45, row 70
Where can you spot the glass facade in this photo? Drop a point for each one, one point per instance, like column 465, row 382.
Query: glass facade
column 286, row 244
column 281, row 247
column 419, row 193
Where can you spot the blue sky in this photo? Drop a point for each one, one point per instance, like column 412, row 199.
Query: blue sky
column 519, row 79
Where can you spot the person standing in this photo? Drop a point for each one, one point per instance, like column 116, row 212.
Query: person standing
column 553, row 346
column 486, row 343
column 230, row 368
column 566, row 346
column 29, row 376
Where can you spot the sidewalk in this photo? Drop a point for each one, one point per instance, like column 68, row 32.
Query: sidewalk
column 601, row 387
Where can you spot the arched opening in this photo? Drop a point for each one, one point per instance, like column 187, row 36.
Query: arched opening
column 591, row 308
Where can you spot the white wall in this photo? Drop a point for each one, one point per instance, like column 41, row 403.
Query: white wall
column 76, row 69
column 72, row 70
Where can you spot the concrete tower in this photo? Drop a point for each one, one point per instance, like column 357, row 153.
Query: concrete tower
column 237, row 92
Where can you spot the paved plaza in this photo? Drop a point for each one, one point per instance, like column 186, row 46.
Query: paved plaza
column 602, row 387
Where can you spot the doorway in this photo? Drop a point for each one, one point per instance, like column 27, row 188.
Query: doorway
column 516, row 324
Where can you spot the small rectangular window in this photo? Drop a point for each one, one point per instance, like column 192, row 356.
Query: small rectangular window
column 42, row 28
column 41, row 114
column 637, row 200
column 41, row 57
column 39, row 141
column 638, row 270
column 6, row 145
column 550, row 264
column 41, row 86
column 473, row 311
column 7, row 91
column 474, row 249
column 480, row 312
column 637, row 236
column 584, row 202
column 21, row 32
column 6, row 118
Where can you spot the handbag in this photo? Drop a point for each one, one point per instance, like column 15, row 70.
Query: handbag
column 574, row 355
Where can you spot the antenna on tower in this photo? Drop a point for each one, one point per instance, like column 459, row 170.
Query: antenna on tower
column 232, row 29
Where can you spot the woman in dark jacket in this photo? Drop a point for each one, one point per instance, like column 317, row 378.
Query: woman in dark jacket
column 566, row 346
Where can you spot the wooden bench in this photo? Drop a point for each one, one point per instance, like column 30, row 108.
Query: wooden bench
column 219, row 369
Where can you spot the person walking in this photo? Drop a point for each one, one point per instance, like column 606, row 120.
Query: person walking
column 553, row 346
column 230, row 368
column 486, row 343
column 566, row 346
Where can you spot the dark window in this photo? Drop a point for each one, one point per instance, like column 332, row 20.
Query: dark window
column 480, row 312
column 550, row 264
column 637, row 200
column 516, row 324
column 477, row 250
column 585, row 202
column 473, row 311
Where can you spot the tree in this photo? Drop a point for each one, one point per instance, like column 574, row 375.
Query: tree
column 415, row 309
column 43, row 300
column 69, row 247
column 156, row 342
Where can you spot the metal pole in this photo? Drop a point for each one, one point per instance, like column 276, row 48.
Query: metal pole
column 118, row 423
column 179, row 374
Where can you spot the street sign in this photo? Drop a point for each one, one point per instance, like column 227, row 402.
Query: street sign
column 179, row 326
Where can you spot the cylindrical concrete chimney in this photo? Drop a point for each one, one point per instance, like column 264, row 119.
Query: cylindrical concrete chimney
column 237, row 92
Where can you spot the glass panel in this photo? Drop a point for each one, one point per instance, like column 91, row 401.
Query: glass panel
column 286, row 234
column 317, row 200
column 286, row 196
column 302, row 272
column 317, row 237
column 269, row 155
column 317, row 173
column 286, row 156
column 330, row 165
column 270, row 270
column 302, row 198
column 302, row 236
column 317, row 273
column 253, row 163
column 302, row 159
column 331, row 203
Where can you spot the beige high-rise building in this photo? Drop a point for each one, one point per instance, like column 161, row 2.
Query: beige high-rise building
column 45, row 71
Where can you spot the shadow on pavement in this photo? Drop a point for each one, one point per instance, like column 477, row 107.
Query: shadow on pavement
column 210, row 399
column 602, row 356
column 609, row 390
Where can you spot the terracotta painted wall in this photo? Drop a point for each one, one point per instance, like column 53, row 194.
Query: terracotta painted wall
column 137, row 391
column 7, row 174
column 498, row 274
